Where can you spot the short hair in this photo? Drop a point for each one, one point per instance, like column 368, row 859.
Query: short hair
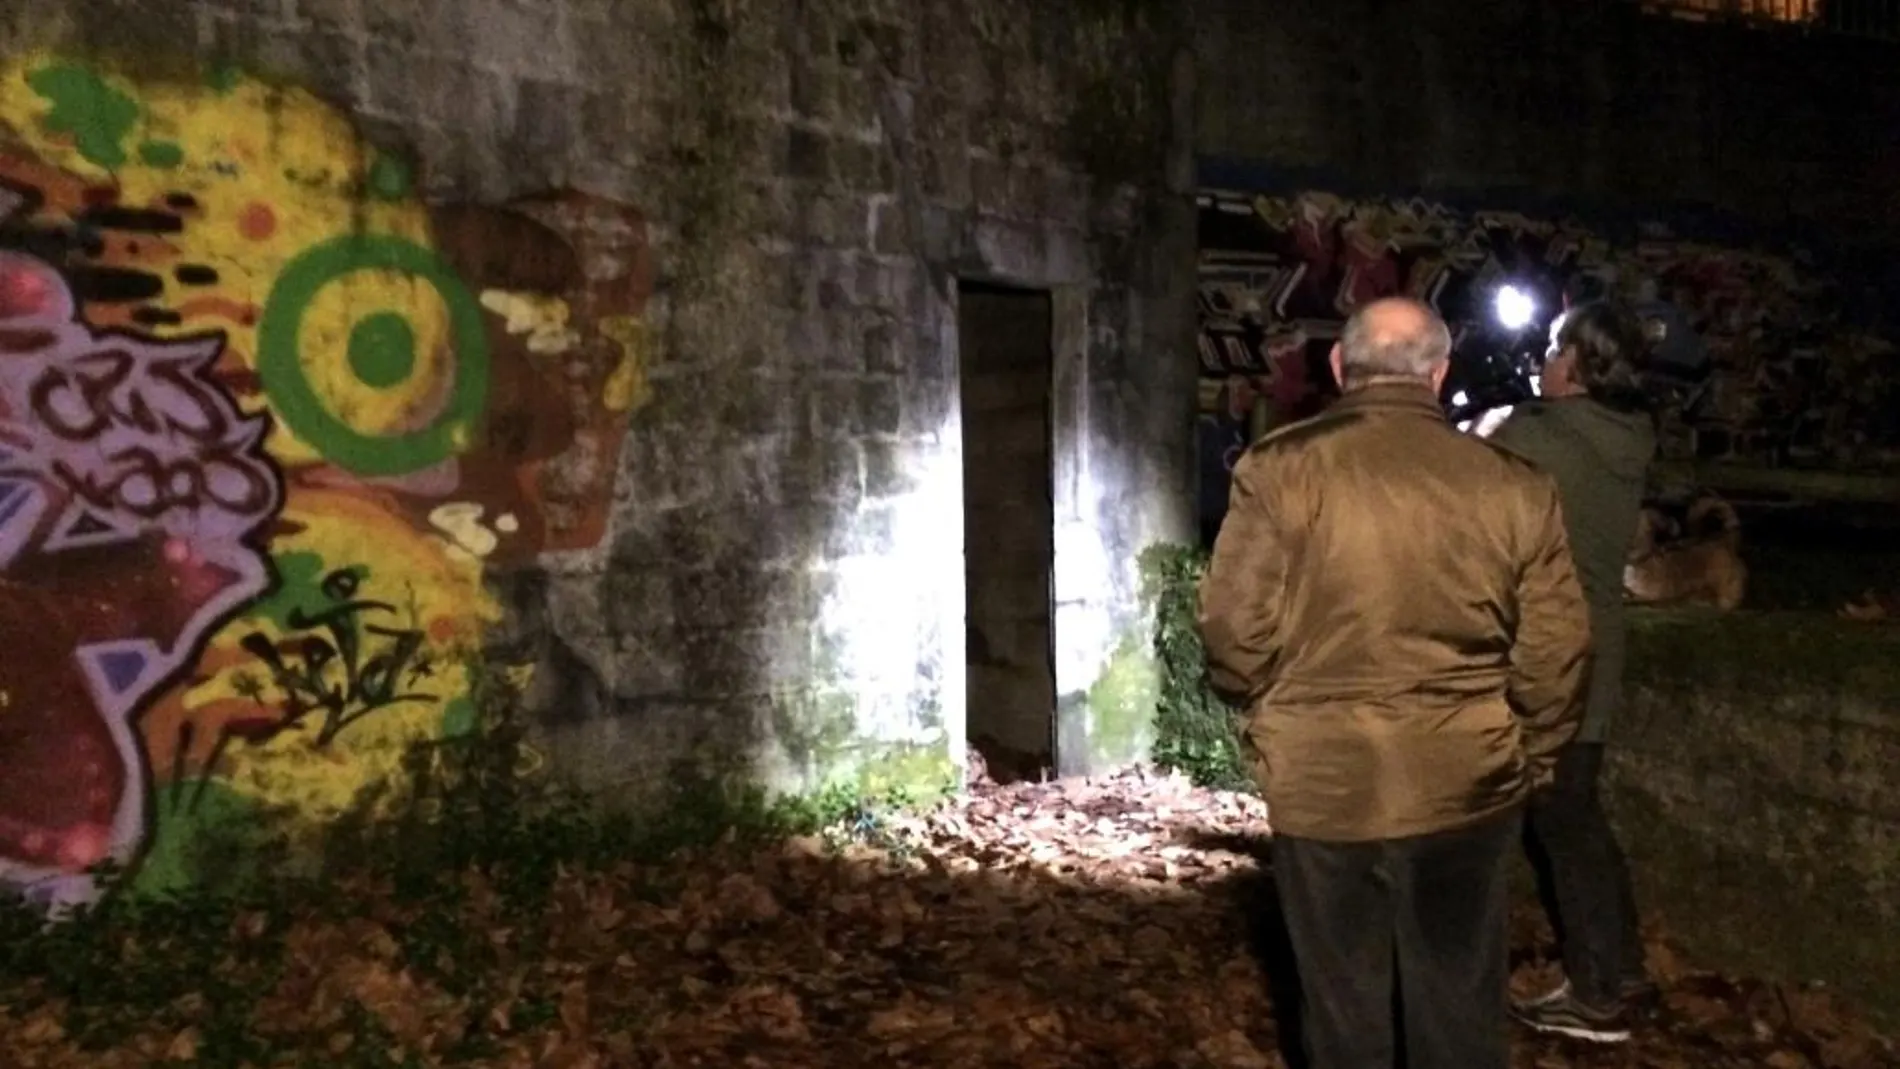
column 1369, row 349
column 1611, row 352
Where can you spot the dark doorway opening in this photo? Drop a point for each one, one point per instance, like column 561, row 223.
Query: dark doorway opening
column 1007, row 368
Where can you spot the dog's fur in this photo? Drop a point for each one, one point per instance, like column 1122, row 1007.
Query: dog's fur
column 1697, row 561
column 1873, row 607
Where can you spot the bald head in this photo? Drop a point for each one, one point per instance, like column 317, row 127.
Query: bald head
column 1392, row 338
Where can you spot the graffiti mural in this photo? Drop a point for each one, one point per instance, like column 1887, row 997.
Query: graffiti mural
column 267, row 419
column 1792, row 380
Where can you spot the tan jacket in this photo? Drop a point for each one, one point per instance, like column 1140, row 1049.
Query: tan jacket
column 1394, row 605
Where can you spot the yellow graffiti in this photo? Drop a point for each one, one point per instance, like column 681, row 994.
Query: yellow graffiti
column 259, row 174
column 627, row 387
column 431, row 593
column 272, row 171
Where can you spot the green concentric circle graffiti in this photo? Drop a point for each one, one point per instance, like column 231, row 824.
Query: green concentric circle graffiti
column 372, row 355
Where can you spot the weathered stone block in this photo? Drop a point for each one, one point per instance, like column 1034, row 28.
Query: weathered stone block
column 883, row 354
column 880, row 410
column 825, row 468
column 887, row 469
column 807, row 155
column 889, row 229
column 927, row 407
column 547, row 127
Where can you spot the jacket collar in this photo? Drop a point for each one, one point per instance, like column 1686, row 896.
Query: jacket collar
column 1411, row 398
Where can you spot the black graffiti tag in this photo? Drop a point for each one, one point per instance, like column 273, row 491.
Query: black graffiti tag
column 326, row 671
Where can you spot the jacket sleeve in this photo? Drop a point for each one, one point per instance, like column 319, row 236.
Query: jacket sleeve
column 1241, row 592
column 1550, row 657
column 1521, row 434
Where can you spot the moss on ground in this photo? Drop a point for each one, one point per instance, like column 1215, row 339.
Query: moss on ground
column 908, row 772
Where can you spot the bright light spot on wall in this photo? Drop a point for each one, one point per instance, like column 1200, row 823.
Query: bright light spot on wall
column 891, row 621
column 1084, row 571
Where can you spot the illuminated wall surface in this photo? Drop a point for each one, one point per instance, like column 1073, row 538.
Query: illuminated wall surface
column 290, row 442
column 1794, row 376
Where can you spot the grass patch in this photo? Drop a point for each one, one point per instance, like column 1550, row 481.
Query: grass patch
column 1758, row 655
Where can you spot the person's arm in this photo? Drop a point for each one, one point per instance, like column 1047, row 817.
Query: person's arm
column 1241, row 591
column 1514, row 431
column 1550, row 657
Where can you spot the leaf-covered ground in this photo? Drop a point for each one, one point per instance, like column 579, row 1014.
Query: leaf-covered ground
column 1120, row 922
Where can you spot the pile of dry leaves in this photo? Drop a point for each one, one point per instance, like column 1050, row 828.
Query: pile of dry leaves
column 1116, row 922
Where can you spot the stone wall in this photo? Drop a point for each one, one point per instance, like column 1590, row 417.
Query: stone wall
column 1587, row 101
column 357, row 351
column 1753, row 785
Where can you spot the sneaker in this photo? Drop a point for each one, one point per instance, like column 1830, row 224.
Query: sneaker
column 1529, row 1005
column 1560, row 1013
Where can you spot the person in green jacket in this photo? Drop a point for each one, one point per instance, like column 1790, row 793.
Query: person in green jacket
column 1591, row 431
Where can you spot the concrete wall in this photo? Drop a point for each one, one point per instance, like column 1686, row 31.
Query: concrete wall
column 1756, row 797
column 1585, row 101
column 349, row 347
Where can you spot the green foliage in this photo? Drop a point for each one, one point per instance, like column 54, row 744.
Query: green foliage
column 1195, row 731
column 466, row 824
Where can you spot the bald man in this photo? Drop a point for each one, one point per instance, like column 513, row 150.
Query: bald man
column 1394, row 607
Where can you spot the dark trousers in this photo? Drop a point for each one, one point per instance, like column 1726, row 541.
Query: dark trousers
column 1422, row 919
column 1584, row 879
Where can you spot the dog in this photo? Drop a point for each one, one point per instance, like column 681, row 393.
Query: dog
column 1697, row 561
column 1873, row 607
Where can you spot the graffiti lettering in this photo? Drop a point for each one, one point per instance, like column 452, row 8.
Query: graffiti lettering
column 1275, row 268
column 98, row 391
column 111, row 588
column 147, row 486
column 309, row 676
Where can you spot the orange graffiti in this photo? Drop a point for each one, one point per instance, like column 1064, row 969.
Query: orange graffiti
column 242, row 313
column 257, row 222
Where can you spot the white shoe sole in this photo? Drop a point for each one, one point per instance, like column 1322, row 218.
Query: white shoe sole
column 1586, row 1034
